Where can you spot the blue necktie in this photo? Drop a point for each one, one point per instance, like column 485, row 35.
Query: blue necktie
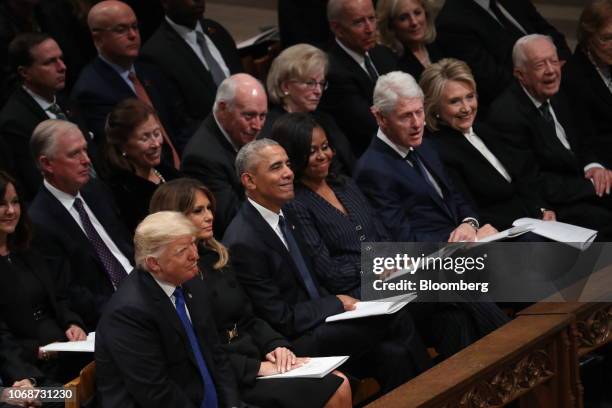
column 210, row 394
column 296, row 255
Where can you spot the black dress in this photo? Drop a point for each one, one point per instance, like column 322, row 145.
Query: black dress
column 410, row 64
column 132, row 193
column 249, row 339
column 36, row 313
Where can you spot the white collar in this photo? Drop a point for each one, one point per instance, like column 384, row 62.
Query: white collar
column 399, row 149
column 534, row 100
column 359, row 58
column 184, row 31
column 67, row 200
column 42, row 102
column 168, row 288
column 269, row 216
column 470, row 132
column 485, row 4
column 227, row 136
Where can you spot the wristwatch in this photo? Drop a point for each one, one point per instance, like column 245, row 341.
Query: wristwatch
column 472, row 222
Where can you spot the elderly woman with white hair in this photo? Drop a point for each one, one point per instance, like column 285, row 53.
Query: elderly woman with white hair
column 295, row 83
column 156, row 343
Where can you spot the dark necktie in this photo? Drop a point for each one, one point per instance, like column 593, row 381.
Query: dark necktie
column 213, row 66
column 142, row 94
column 414, row 158
column 370, row 68
column 210, row 393
column 296, row 255
column 504, row 21
column 545, row 112
column 55, row 109
column 113, row 268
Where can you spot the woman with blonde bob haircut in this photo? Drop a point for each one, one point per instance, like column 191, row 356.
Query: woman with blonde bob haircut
column 408, row 28
column 498, row 181
column 296, row 83
column 254, row 348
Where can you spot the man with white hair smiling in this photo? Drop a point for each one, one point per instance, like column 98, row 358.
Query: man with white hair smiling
column 238, row 116
column 156, row 345
column 537, row 117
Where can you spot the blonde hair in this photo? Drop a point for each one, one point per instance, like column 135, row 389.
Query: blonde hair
column 157, row 231
column 179, row 195
column 387, row 11
column 296, row 62
column 433, row 80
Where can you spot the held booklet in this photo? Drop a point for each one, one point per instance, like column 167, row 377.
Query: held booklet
column 316, row 367
column 375, row 307
column 83, row 346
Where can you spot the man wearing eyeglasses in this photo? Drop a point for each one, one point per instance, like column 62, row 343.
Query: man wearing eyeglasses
column 114, row 75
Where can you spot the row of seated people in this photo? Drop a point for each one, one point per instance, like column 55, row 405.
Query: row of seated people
column 263, row 170
column 182, row 100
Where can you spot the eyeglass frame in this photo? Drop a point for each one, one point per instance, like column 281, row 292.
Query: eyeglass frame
column 121, row 29
column 311, row 84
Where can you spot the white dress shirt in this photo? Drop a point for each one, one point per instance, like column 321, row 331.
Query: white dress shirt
column 190, row 37
column 67, row 201
column 271, row 218
column 42, row 102
column 560, row 132
column 123, row 73
column 359, row 59
column 486, row 4
column 488, row 154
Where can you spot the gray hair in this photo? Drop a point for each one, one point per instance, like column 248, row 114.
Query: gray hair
column 157, row 231
column 519, row 58
column 334, row 10
column 248, row 156
column 44, row 137
column 226, row 92
column 392, row 86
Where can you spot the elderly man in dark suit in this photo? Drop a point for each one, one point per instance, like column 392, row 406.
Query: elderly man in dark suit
column 403, row 176
column 355, row 62
column 276, row 273
column 194, row 52
column 75, row 219
column 482, row 33
column 238, row 117
column 156, row 344
column 115, row 75
column 38, row 61
column 538, row 119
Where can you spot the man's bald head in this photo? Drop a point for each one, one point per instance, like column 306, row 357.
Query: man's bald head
column 241, row 106
column 114, row 29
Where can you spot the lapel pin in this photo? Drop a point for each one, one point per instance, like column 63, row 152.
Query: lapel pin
column 189, row 295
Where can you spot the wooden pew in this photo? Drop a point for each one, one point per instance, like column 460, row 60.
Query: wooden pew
column 529, row 359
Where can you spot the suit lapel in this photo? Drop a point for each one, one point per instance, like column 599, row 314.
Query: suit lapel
column 112, row 78
column 364, row 80
column 188, row 56
column 31, row 105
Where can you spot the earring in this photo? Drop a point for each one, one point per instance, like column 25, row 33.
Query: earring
column 286, row 93
column 437, row 116
column 123, row 154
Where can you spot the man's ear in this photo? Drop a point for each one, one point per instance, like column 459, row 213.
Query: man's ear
column 248, row 181
column 23, row 73
column 334, row 26
column 152, row 265
column 45, row 164
column 380, row 119
column 518, row 74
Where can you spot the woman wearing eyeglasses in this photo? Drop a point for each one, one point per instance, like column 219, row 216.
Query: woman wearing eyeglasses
column 296, row 82
column 587, row 76
column 133, row 153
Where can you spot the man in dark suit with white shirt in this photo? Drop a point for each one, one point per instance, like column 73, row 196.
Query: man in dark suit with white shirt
column 483, row 32
column 115, row 75
column 196, row 53
column 355, row 62
column 238, row 117
column 537, row 118
column 75, row 219
column 157, row 345
column 276, row 273
column 38, row 61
